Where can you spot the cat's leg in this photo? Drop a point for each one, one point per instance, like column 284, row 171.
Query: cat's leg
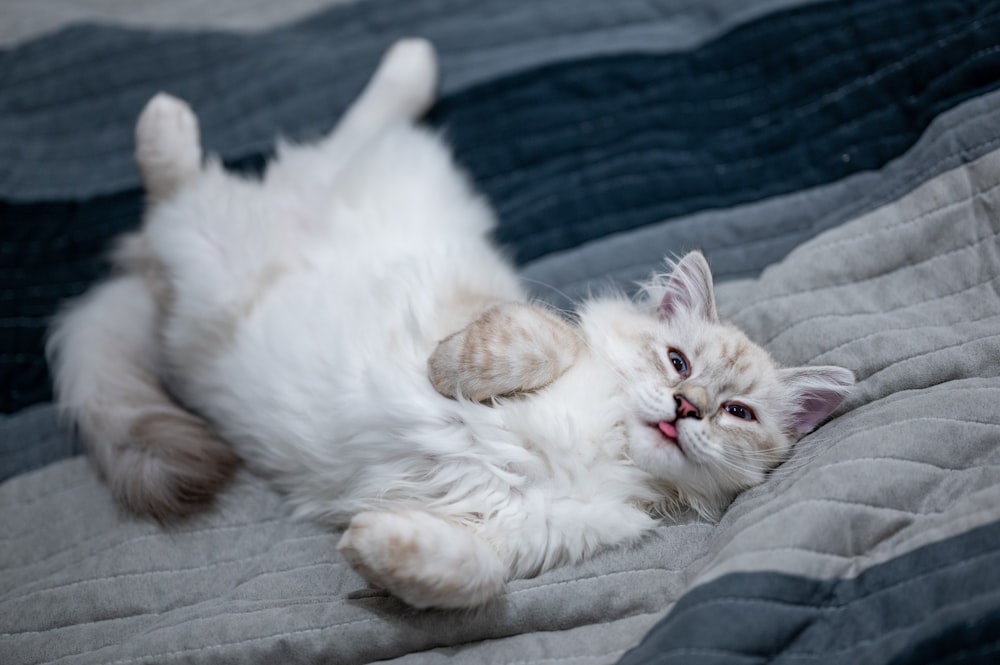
column 429, row 561
column 548, row 530
column 211, row 254
column 423, row 559
column 167, row 146
column 159, row 459
column 511, row 348
column 400, row 91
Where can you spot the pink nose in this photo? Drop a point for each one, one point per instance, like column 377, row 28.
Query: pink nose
column 686, row 409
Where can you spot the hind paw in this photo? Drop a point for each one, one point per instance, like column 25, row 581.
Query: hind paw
column 410, row 68
column 168, row 148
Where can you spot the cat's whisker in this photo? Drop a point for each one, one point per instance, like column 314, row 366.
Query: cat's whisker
column 798, row 461
column 739, row 466
column 553, row 289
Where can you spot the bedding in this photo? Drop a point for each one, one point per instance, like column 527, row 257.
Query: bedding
column 839, row 163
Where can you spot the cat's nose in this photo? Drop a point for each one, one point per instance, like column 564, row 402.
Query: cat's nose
column 685, row 409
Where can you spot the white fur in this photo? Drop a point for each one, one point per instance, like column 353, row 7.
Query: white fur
column 303, row 309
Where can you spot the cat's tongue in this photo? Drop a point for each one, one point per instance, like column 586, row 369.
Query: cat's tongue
column 668, row 429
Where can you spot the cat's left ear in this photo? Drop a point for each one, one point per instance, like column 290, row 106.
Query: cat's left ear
column 816, row 392
column 690, row 289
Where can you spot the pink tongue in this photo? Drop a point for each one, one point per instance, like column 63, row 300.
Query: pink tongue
column 668, row 429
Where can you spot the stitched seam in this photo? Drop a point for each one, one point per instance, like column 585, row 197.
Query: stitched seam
column 137, row 539
column 902, row 544
column 527, row 209
column 932, row 352
column 592, row 578
column 909, row 266
column 130, row 541
column 840, row 606
column 881, row 312
column 35, row 499
column 18, row 633
column 904, row 222
column 983, row 592
column 250, row 640
column 179, row 570
column 812, row 69
column 908, row 183
column 890, row 331
column 977, row 650
column 786, row 116
column 764, row 501
column 772, row 513
column 903, row 460
column 561, row 659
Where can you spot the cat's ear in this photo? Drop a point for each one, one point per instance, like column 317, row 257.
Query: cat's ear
column 816, row 392
column 690, row 289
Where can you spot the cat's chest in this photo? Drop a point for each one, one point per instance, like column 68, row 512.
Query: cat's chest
column 577, row 423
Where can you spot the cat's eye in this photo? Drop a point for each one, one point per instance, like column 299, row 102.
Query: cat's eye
column 740, row 411
column 680, row 362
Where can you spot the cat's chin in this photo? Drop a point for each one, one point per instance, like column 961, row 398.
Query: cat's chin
column 656, row 452
column 668, row 434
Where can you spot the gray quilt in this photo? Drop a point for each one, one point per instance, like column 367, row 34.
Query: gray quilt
column 875, row 247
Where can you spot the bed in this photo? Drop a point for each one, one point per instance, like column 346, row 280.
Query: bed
column 839, row 164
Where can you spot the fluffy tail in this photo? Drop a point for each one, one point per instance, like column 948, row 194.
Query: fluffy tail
column 159, row 459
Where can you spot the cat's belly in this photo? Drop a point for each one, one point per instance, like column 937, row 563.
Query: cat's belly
column 325, row 390
column 336, row 354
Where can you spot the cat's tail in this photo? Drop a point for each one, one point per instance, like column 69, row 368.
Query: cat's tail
column 158, row 459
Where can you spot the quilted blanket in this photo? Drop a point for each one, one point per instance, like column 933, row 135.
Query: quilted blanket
column 838, row 162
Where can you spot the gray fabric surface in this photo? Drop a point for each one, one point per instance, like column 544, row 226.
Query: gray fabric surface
column 21, row 20
column 907, row 296
column 49, row 441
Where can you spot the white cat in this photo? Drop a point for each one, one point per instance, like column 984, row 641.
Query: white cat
column 310, row 320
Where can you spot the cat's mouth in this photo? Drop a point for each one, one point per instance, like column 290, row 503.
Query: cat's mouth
column 668, row 432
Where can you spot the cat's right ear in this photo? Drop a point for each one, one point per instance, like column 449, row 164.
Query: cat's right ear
column 815, row 393
column 690, row 289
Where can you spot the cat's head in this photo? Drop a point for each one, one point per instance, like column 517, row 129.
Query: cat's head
column 709, row 411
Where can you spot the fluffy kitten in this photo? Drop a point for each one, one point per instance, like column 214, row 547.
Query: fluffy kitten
column 310, row 320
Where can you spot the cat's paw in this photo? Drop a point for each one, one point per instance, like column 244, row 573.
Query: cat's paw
column 511, row 348
column 422, row 559
column 409, row 68
column 168, row 148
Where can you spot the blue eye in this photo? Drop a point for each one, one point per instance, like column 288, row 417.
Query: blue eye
column 739, row 411
column 679, row 361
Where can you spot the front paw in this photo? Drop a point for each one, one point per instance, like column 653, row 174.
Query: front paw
column 422, row 559
column 445, row 369
column 512, row 348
